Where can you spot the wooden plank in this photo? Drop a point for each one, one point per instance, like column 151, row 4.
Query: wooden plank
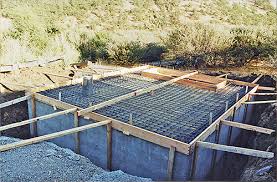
column 170, row 163
column 134, row 94
column 109, row 147
column 77, row 135
column 123, row 127
column 51, row 136
column 208, row 131
column 264, row 93
column 257, row 79
column 223, row 75
column 266, row 88
column 247, row 127
column 57, row 75
column 261, row 102
column 15, row 101
column 33, row 120
column 238, row 150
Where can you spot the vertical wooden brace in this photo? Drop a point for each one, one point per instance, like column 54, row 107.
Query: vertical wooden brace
column 194, row 162
column 217, row 135
column 34, row 110
column 170, row 164
column 77, row 135
column 109, row 146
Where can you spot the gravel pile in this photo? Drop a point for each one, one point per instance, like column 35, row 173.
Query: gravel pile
column 48, row 162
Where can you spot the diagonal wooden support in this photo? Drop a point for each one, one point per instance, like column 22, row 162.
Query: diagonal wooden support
column 257, row 79
column 51, row 136
column 238, row 150
column 33, row 120
column 248, row 127
column 134, row 94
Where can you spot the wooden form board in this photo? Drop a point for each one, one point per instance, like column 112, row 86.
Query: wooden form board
column 127, row 129
column 197, row 80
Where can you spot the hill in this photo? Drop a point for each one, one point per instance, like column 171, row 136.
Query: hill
column 210, row 32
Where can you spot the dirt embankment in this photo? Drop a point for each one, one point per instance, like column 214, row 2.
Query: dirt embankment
column 258, row 169
column 14, row 113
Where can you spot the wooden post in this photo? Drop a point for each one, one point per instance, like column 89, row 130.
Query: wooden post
column 194, row 162
column 109, row 146
column 77, row 135
column 217, row 135
column 34, row 115
column 170, row 164
column 130, row 119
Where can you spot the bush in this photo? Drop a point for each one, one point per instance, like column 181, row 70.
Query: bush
column 135, row 52
column 95, row 48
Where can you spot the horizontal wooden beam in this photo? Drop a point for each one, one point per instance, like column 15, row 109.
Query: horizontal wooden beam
column 261, row 102
column 264, row 93
column 238, row 150
column 33, row 120
column 134, row 94
column 121, row 126
column 266, row 88
column 15, row 101
column 51, row 136
column 247, row 127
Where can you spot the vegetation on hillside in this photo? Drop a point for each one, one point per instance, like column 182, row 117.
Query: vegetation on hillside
column 215, row 33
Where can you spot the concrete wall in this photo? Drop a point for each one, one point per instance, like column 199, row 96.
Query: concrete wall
column 130, row 154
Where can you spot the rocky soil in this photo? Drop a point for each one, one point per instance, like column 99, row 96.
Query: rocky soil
column 48, row 162
column 258, row 169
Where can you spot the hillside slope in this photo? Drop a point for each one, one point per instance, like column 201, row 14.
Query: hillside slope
column 217, row 32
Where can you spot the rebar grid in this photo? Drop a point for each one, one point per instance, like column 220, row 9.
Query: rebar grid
column 177, row 111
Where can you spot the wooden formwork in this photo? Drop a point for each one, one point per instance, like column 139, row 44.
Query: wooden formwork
column 128, row 129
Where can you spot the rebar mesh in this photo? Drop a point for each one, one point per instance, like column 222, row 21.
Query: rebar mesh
column 177, row 111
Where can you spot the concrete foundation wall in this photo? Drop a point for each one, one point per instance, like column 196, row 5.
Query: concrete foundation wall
column 130, row 154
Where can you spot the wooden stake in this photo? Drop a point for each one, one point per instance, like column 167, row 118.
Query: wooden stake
column 60, row 96
column 194, row 162
column 34, row 125
column 217, row 135
column 226, row 105
column 131, row 119
column 170, row 163
column 77, row 135
column 109, row 146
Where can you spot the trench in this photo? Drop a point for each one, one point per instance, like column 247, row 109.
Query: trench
column 234, row 163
